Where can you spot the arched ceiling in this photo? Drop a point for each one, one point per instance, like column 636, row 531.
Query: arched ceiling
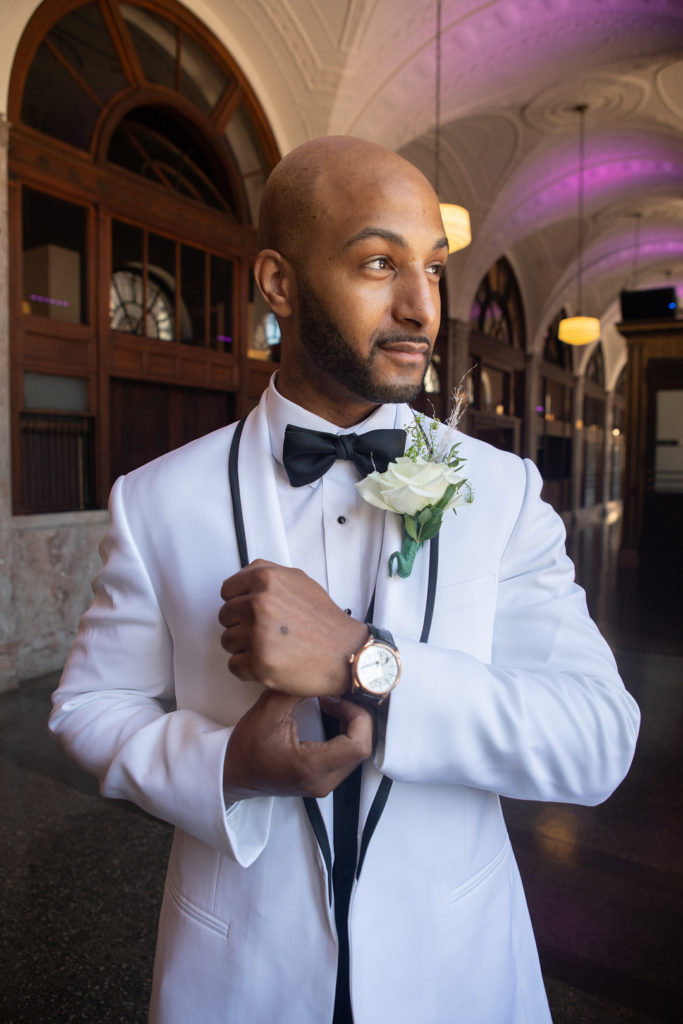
column 512, row 70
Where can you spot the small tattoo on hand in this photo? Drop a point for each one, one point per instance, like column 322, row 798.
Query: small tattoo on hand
column 284, row 630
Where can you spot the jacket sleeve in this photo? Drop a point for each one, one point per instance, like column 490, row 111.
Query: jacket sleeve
column 114, row 709
column 548, row 718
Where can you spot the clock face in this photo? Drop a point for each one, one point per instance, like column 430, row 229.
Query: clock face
column 377, row 668
column 126, row 307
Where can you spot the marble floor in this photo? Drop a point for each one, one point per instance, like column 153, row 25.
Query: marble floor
column 81, row 877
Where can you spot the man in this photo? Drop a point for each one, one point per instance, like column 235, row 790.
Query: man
column 216, row 725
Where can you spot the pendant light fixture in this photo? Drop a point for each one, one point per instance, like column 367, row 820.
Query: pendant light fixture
column 456, row 219
column 580, row 330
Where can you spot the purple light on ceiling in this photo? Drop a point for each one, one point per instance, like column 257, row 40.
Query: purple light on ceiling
column 612, row 168
column 617, row 253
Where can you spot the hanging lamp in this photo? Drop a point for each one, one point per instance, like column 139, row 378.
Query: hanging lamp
column 580, row 330
column 456, row 219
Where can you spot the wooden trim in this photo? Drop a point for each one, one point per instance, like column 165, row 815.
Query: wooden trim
column 102, row 428
column 226, row 106
column 50, row 12
column 196, row 123
column 74, row 176
column 191, row 24
column 495, row 354
column 39, row 24
column 15, row 251
column 123, row 43
column 551, row 371
column 82, row 84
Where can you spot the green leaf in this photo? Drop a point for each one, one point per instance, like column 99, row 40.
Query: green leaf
column 432, row 528
column 410, row 526
column 446, row 496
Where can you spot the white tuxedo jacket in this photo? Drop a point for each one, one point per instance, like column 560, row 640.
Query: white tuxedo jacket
column 516, row 693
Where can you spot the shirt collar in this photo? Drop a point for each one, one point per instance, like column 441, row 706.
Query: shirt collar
column 280, row 411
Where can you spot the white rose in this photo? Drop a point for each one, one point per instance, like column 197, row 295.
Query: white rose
column 407, row 487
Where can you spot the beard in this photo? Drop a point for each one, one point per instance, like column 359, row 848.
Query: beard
column 330, row 352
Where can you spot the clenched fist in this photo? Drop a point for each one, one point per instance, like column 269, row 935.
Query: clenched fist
column 284, row 631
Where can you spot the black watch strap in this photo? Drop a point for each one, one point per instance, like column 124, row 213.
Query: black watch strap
column 383, row 635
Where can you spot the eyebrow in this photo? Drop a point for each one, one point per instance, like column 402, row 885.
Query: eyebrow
column 388, row 236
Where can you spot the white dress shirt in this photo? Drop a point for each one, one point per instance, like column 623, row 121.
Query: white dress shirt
column 334, row 536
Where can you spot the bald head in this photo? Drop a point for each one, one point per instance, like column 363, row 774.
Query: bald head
column 323, row 176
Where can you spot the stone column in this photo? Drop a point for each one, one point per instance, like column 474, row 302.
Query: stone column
column 532, row 398
column 577, row 445
column 458, row 353
column 608, row 444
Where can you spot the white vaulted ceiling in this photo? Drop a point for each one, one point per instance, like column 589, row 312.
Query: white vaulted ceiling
column 512, row 71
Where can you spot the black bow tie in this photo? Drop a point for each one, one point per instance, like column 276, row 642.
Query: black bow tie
column 308, row 454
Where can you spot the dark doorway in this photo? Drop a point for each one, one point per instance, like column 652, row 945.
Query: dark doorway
column 663, row 512
column 148, row 420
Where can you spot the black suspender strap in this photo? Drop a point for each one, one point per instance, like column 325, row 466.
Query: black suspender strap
column 234, row 481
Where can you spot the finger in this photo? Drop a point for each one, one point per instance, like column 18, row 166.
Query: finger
column 238, row 584
column 346, row 711
column 240, row 666
column 340, row 754
column 278, row 704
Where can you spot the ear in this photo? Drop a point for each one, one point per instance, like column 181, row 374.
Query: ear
column 275, row 277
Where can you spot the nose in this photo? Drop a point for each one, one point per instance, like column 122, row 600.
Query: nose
column 417, row 299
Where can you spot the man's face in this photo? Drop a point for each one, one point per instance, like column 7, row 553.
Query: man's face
column 330, row 352
column 368, row 305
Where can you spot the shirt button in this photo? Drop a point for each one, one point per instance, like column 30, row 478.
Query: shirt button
column 341, row 520
column 348, row 611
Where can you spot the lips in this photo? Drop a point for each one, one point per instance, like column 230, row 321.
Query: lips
column 406, row 350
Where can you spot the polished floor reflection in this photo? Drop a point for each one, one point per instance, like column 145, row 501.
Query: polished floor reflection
column 82, row 877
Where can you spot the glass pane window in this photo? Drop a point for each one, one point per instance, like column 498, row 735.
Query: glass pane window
column 54, row 283
column 161, row 288
column 193, row 295
column 493, row 390
column 55, row 103
column 82, row 40
column 220, row 309
column 50, row 391
column 160, row 145
column 264, row 330
column 202, row 81
column 248, row 152
column 156, row 43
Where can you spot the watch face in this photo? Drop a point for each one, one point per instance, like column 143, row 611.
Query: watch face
column 377, row 668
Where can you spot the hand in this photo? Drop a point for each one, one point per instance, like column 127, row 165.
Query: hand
column 285, row 632
column 266, row 756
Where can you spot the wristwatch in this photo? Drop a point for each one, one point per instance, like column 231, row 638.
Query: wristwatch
column 375, row 668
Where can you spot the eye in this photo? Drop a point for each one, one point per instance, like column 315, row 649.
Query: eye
column 436, row 269
column 379, row 263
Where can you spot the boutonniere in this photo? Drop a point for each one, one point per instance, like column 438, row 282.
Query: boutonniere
column 421, row 485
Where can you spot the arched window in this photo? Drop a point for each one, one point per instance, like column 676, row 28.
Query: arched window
column 138, row 155
column 497, row 343
column 557, row 352
column 595, row 368
column 554, row 410
column 594, row 429
column 497, row 310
